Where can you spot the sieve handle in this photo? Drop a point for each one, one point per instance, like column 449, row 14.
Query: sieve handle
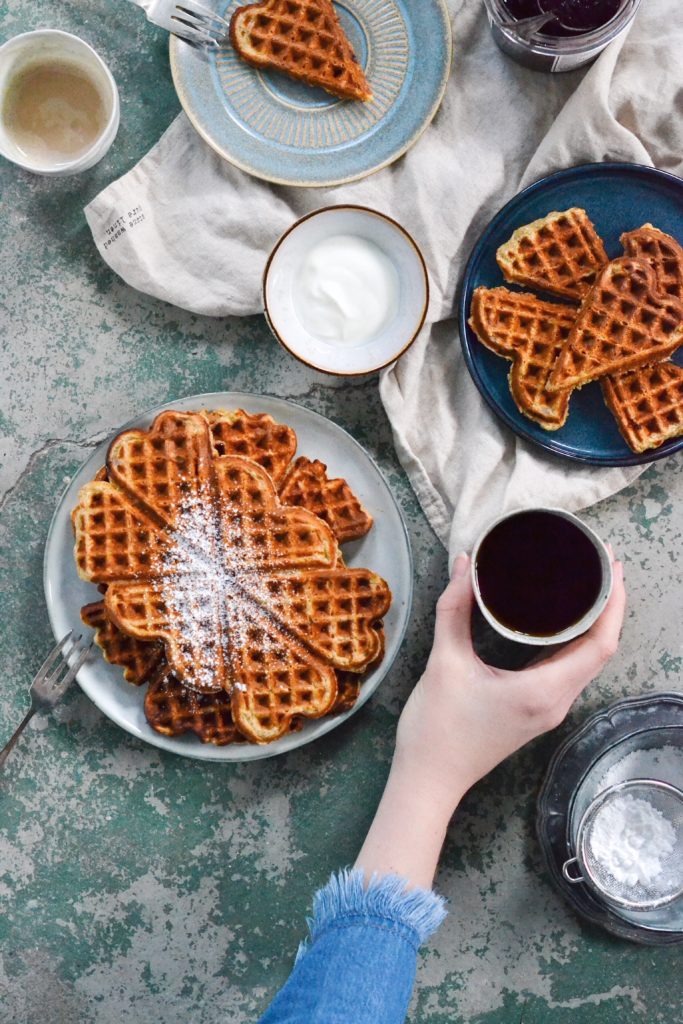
column 572, row 879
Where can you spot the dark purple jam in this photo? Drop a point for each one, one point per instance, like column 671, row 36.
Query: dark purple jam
column 572, row 17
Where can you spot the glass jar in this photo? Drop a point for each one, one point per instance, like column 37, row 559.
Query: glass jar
column 556, row 53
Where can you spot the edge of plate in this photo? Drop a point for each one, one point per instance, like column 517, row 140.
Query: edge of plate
column 328, row 182
column 518, row 427
column 200, row 751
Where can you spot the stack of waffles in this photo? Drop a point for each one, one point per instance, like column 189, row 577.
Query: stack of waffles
column 628, row 324
column 224, row 587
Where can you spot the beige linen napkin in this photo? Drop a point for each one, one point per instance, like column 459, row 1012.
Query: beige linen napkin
column 188, row 228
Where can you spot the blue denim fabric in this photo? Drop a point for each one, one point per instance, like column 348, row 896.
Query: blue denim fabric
column 359, row 965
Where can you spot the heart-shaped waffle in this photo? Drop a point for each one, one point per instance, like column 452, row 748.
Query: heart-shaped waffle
column 521, row 327
column 662, row 252
column 302, row 38
column 647, row 404
column 308, row 485
column 624, row 323
column 246, row 594
column 139, row 660
column 256, row 436
column 559, row 253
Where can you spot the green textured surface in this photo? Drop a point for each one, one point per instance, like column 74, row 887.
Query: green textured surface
column 136, row 886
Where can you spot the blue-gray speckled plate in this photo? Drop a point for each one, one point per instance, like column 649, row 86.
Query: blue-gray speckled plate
column 617, row 198
column 278, row 129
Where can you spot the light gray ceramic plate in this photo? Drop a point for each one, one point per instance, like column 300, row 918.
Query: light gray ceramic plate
column 385, row 549
column 278, row 129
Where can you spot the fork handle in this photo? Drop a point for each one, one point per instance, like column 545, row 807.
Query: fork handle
column 4, row 753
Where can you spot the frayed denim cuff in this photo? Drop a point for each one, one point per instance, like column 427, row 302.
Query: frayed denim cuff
column 384, row 901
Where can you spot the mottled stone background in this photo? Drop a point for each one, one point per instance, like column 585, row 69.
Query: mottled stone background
column 136, row 886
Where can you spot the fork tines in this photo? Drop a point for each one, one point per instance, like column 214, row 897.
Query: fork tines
column 205, row 25
column 56, row 672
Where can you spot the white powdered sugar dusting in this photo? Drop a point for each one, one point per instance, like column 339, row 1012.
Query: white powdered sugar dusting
column 205, row 603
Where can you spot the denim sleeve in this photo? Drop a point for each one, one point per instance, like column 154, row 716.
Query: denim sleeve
column 359, row 965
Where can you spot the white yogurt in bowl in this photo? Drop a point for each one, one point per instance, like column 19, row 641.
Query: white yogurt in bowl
column 346, row 290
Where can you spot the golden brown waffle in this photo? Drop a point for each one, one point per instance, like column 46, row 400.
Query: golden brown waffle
column 623, row 324
column 173, row 709
column 647, row 404
column 302, row 38
column 308, row 485
column 138, row 660
column 225, row 564
column 530, row 332
column 258, row 437
column 332, row 611
column 662, row 252
column 560, row 253
column 163, row 468
column 114, row 540
column 349, row 683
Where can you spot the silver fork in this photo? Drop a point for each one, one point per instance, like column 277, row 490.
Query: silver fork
column 188, row 19
column 51, row 682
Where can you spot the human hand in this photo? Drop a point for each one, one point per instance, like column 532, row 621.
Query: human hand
column 464, row 717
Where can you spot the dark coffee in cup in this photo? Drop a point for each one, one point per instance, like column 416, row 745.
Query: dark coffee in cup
column 539, row 572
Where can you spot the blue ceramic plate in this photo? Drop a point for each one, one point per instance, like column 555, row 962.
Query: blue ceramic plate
column 617, row 198
column 281, row 130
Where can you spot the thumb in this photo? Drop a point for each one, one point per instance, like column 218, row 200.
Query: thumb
column 454, row 607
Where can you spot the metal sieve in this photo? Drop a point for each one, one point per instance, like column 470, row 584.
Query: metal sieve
column 638, row 891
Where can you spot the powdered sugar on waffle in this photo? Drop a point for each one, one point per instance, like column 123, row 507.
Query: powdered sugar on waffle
column 205, row 603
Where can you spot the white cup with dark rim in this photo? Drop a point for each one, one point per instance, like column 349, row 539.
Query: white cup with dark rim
column 399, row 330
column 84, row 114
column 538, row 582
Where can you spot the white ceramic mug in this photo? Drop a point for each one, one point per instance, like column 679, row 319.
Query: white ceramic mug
column 586, row 621
column 31, row 49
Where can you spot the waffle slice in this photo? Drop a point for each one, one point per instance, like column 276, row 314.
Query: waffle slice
column 275, row 679
column 114, row 540
column 302, row 38
column 173, row 709
column 521, row 327
column 662, row 252
column 162, row 468
column 647, row 404
column 138, row 660
column 623, row 324
column 334, row 612
column 307, row 484
column 560, row 253
column 255, row 436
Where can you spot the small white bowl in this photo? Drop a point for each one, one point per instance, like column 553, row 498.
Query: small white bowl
column 44, row 45
column 285, row 262
column 591, row 615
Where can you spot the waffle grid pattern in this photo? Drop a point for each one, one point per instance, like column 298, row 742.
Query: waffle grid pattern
column 172, row 709
column 257, row 437
column 561, row 253
column 137, row 659
column 304, row 39
column 308, row 485
column 647, row 405
column 531, row 333
column 113, row 541
column 622, row 325
column 664, row 255
column 333, row 613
